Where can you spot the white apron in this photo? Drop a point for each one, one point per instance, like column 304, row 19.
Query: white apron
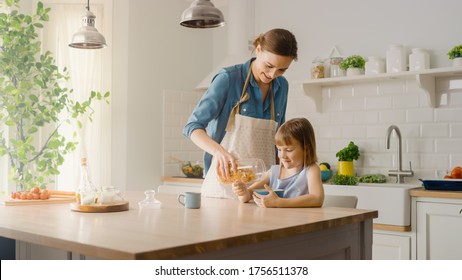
column 245, row 137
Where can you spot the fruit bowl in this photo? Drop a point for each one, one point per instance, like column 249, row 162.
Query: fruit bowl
column 326, row 175
column 191, row 170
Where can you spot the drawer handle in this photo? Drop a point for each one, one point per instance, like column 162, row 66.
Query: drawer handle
column 460, row 212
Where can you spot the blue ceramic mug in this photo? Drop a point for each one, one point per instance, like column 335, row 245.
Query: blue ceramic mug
column 190, row 200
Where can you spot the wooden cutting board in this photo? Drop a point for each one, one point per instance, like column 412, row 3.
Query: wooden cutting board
column 104, row 208
column 8, row 201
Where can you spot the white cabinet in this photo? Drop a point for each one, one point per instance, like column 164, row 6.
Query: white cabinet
column 28, row 251
column 439, row 229
column 389, row 245
column 425, row 80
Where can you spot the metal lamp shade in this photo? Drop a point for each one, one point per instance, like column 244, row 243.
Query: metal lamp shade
column 202, row 14
column 88, row 36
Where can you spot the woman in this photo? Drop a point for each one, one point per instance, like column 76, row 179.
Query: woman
column 238, row 115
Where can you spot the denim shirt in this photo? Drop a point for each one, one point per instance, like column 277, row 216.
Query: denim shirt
column 212, row 111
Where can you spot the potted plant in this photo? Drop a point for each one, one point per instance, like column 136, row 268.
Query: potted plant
column 345, row 159
column 455, row 54
column 353, row 65
column 33, row 101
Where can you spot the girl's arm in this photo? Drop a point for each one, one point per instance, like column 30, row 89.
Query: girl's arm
column 314, row 198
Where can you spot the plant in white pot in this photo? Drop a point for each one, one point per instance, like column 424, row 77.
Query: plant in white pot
column 345, row 159
column 455, row 54
column 34, row 102
column 354, row 65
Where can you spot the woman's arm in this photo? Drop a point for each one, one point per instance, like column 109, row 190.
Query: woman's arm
column 222, row 156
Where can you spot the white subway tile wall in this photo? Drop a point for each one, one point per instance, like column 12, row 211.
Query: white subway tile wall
column 431, row 137
column 178, row 105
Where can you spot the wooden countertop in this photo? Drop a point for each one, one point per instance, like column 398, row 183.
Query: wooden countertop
column 178, row 179
column 422, row 192
column 166, row 233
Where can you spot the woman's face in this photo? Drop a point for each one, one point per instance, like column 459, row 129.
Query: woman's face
column 268, row 66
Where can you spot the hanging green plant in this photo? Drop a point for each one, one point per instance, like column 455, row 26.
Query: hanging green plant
column 33, row 101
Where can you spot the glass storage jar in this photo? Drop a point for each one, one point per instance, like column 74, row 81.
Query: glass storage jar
column 335, row 70
column 317, row 68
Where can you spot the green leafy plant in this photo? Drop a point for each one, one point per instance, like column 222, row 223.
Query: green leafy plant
column 354, row 61
column 340, row 179
column 349, row 153
column 33, row 101
column 455, row 52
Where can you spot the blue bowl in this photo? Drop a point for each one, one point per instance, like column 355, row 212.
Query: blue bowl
column 280, row 193
column 326, row 175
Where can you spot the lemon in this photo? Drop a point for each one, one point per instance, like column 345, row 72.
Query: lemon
column 324, row 166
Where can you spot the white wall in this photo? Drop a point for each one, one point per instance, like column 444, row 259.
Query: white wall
column 151, row 52
column 162, row 55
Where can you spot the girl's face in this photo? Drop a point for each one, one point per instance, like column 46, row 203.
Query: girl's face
column 291, row 156
column 268, row 66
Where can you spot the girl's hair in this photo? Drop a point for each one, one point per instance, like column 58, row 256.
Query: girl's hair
column 300, row 130
column 278, row 41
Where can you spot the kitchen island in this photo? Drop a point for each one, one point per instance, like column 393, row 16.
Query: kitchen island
column 220, row 229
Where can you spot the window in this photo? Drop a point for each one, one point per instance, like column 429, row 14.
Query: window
column 89, row 70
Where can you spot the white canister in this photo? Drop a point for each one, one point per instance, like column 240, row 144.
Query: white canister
column 396, row 59
column 374, row 65
column 419, row 59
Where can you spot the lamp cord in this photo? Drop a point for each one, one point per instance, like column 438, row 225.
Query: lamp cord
column 88, row 5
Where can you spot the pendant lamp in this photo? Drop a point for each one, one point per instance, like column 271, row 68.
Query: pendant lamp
column 88, row 36
column 202, row 14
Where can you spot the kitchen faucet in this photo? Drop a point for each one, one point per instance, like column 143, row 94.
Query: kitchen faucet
column 398, row 173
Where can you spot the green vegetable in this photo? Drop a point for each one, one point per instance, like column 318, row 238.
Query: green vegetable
column 372, row 178
column 349, row 153
column 340, row 179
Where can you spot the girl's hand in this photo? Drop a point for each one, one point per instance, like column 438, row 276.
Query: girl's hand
column 241, row 191
column 267, row 201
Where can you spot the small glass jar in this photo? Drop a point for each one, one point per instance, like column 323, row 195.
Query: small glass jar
column 317, row 68
column 109, row 194
column 419, row 59
column 335, row 70
column 374, row 65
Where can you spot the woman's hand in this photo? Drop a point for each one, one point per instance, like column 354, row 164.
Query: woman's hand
column 242, row 192
column 223, row 159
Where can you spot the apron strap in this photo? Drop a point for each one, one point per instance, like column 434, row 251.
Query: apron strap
column 244, row 97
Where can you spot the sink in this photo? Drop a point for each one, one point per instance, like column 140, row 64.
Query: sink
column 393, row 201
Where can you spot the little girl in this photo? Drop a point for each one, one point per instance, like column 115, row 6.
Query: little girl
column 297, row 174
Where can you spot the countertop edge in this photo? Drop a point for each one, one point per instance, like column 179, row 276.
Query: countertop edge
column 422, row 192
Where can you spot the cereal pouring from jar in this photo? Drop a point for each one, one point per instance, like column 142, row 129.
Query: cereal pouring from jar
column 244, row 174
